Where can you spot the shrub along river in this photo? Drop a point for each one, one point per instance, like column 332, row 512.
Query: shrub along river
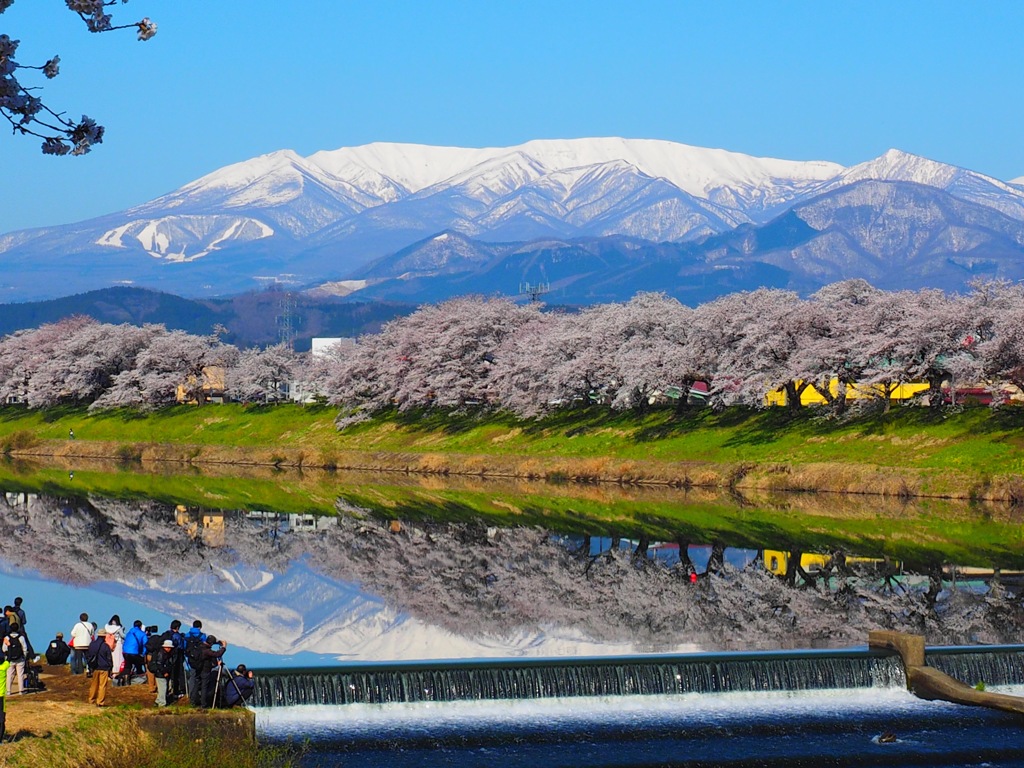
column 376, row 569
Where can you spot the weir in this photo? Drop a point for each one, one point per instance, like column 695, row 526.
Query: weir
column 992, row 665
column 460, row 680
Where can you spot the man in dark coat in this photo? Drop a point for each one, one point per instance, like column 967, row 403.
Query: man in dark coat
column 101, row 661
column 58, row 651
column 161, row 666
column 208, row 670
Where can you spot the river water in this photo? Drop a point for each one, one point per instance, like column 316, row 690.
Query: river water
column 810, row 729
column 296, row 590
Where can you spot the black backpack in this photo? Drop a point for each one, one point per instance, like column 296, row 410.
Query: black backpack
column 194, row 651
column 15, row 651
column 160, row 665
column 154, row 644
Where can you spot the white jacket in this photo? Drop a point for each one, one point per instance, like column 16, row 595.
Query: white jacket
column 81, row 635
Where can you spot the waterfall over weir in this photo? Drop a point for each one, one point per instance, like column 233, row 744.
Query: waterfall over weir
column 478, row 680
column 991, row 665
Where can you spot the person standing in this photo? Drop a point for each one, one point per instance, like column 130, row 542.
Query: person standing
column 162, row 667
column 100, row 661
column 57, row 651
column 4, row 666
column 115, row 639
column 135, row 651
column 208, row 670
column 194, row 640
column 24, row 632
column 81, row 639
column 178, row 686
column 15, row 649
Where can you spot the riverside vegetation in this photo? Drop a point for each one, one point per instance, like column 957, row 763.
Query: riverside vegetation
column 601, row 463
column 973, row 453
column 57, row 729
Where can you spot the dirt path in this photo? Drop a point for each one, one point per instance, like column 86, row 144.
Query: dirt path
column 38, row 715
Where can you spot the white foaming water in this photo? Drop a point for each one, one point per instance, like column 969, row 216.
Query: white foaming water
column 685, row 709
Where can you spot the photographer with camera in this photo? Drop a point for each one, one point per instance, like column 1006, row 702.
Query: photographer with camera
column 134, row 647
column 238, row 687
column 209, row 667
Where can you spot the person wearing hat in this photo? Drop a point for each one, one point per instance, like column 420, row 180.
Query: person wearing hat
column 57, row 652
column 161, row 666
column 101, row 662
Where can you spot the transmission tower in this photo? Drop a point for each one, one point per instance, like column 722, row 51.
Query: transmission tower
column 534, row 290
column 286, row 319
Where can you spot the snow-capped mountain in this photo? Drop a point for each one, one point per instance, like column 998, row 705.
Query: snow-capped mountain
column 322, row 219
column 961, row 183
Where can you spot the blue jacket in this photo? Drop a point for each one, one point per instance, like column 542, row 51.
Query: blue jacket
column 194, row 632
column 135, row 642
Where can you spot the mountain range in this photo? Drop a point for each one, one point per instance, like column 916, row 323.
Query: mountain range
column 589, row 219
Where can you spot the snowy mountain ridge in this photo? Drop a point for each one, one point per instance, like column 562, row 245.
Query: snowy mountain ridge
column 322, row 219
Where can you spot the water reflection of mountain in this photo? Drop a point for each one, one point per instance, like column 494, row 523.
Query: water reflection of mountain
column 367, row 588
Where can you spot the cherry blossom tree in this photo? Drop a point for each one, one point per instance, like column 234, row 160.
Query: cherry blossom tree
column 441, row 355
column 27, row 113
column 998, row 340
column 522, row 380
column 649, row 336
column 84, row 361
column 915, row 336
column 829, row 353
column 497, row 355
column 25, row 353
column 262, row 375
column 175, row 365
column 767, row 327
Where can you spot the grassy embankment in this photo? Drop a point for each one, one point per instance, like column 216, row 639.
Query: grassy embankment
column 114, row 739
column 909, row 452
column 892, row 469
column 57, row 728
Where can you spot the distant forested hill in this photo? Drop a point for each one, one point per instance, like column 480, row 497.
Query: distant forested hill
column 251, row 319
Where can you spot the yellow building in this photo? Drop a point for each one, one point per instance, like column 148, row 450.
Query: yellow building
column 811, row 396
column 213, row 386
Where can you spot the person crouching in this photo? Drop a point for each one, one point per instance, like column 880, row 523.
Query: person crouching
column 239, row 687
column 58, row 651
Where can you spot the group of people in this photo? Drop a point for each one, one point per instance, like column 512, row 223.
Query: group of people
column 15, row 652
column 173, row 663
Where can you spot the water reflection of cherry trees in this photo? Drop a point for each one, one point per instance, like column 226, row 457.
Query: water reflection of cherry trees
column 485, row 582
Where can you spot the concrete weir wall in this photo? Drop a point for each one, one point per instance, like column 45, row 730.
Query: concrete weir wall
column 226, row 725
column 928, row 683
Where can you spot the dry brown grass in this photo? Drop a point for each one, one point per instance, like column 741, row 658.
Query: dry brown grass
column 837, row 477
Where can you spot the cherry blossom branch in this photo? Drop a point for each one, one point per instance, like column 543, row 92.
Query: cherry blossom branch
column 22, row 109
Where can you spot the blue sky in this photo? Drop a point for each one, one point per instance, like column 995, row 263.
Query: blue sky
column 227, row 80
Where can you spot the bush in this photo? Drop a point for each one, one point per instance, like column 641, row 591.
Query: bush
column 18, row 441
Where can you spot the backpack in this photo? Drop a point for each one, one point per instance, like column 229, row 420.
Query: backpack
column 154, row 644
column 160, row 664
column 92, row 654
column 32, row 681
column 15, row 651
column 194, row 652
